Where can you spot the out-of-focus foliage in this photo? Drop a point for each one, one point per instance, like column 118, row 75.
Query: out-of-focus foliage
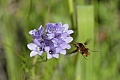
column 18, row 17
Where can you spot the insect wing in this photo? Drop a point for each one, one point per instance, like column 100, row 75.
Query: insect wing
column 87, row 41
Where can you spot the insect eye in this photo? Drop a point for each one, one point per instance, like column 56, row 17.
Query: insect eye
column 82, row 52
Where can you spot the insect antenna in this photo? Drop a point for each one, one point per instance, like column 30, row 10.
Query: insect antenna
column 93, row 51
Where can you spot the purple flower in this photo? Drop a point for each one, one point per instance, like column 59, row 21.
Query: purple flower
column 38, row 46
column 54, row 42
column 39, row 43
column 34, row 49
column 54, row 30
column 54, row 27
column 51, row 52
column 66, row 37
column 37, row 34
column 61, row 45
column 66, row 26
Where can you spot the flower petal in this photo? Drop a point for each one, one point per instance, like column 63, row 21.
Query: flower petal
column 66, row 26
column 63, row 45
column 49, row 56
column 31, row 46
column 40, row 27
column 33, row 53
column 68, row 39
column 56, row 55
column 70, row 31
column 55, row 41
column 36, row 42
column 41, row 30
column 47, row 49
column 32, row 32
column 64, row 35
column 63, row 52
column 68, row 46
column 50, row 36
column 58, row 49
column 40, row 52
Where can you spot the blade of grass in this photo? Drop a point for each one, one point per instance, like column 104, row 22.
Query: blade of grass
column 85, row 20
column 11, row 58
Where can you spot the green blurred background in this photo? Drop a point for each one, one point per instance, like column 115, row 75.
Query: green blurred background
column 95, row 19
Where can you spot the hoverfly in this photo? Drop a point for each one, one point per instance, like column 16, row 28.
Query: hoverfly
column 82, row 48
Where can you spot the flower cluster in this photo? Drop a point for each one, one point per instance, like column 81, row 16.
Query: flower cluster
column 54, row 40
